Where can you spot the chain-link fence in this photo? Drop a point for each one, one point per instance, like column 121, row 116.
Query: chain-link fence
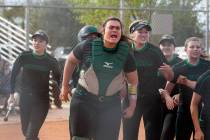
column 62, row 20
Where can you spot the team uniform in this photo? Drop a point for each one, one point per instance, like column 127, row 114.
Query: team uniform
column 5, row 89
column 192, row 72
column 5, row 75
column 5, row 83
column 85, row 33
column 34, row 89
column 169, row 116
column 173, row 61
column 95, row 110
column 148, row 60
column 202, row 88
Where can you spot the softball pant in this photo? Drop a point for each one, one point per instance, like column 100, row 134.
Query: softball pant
column 33, row 112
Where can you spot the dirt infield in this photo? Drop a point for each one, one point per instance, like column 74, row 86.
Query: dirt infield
column 50, row 131
column 55, row 130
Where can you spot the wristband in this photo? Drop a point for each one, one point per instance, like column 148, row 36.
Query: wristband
column 132, row 90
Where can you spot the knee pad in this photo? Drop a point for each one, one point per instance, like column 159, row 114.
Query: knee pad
column 79, row 138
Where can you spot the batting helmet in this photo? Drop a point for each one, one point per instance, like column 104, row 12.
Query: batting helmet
column 85, row 31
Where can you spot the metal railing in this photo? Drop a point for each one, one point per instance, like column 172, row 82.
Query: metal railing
column 13, row 40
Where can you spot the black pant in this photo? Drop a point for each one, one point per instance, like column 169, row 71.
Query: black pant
column 207, row 133
column 150, row 108
column 92, row 118
column 33, row 112
column 184, row 125
column 169, row 121
column 205, row 126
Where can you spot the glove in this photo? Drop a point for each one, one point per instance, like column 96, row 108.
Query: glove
column 11, row 99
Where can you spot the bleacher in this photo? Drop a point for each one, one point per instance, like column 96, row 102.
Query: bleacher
column 13, row 40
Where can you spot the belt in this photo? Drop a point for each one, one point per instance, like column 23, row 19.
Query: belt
column 82, row 92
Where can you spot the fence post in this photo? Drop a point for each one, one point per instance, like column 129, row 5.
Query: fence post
column 122, row 10
column 27, row 23
column 207, row 26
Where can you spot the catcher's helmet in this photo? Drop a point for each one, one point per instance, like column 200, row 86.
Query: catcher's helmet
column 85, row 31
column 168, row 38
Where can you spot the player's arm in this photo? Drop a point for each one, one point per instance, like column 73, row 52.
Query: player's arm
column 166, row 71
column 132, row 80
column 168, row 89
column 165, row 95
column 184, row 81
column 196, row 99
column 15, row 71
column 69, row 67
column 131, row 75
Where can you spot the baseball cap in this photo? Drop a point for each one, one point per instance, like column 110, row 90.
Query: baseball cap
column 41, row 34
column 167, row 38
column 139, row 24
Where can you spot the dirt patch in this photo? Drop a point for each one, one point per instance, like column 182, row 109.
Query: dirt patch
column 55, row 130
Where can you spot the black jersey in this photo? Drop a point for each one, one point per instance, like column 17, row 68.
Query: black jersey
column 192, row 72
column 174, row 60
column 35, row 72
column 162, row 81
column 83, row 52
column 203, row 89
column 148, row 60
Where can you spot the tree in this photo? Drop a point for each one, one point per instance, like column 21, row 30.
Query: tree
column 15, row 15
column 107, row 8
column 185, row 20
column 50, row 15
column 58, row 22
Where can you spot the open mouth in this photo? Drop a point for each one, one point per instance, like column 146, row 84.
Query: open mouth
column 113, row 36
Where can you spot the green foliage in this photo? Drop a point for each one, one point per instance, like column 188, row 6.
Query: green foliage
column 99, row 15
column 14, row 14
column 185, row 20
column 106, row 8
column 62, row 24
column 185, row 23
column 59, row 23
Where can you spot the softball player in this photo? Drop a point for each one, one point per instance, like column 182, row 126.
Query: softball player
column 202, row 92
column 167, row 45
column 34, row 93
column 149, row 60
column 191, row 68
column 95, row 110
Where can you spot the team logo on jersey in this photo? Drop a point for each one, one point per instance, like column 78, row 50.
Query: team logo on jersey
column 108, row 65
